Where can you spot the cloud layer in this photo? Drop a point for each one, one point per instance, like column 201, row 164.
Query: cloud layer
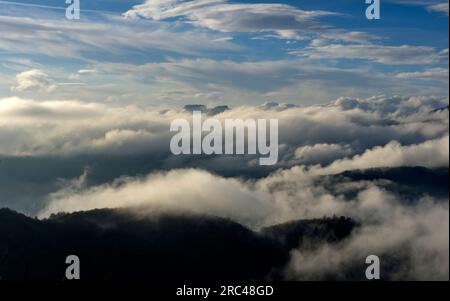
column 317, row 144
column 224, row 16
column 367, row 127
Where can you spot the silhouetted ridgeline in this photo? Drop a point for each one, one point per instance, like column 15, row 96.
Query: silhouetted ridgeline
column 115, row 244
column 310, row 233
column 411, row 183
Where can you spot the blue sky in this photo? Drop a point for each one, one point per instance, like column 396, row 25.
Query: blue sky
column 171, row 52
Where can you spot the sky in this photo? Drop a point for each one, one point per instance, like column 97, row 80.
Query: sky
column 168, row 53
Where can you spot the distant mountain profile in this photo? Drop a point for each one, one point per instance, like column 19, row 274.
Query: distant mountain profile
column 410, row 182
column 118, row 245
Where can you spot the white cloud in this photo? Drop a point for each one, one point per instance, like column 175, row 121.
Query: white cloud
column 289, row 194
column 392, row 55
column 441, row 7
column 190, row 190
column 33, row 80
column 440, row 74
column 57, row 38
column 430, row 5
column 432, row 153
column 72, row 127
column 416, row 234
column 252, row 82
column 221, row 15
column 322, row 153
column 86, row 71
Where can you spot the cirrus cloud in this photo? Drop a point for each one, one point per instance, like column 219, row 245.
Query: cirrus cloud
column 221, row 15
